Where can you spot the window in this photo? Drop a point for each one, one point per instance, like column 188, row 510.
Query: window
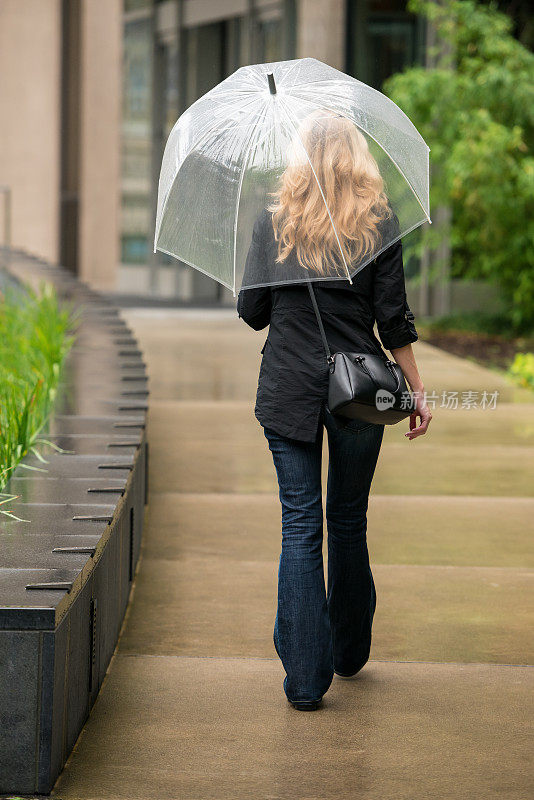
column 383, row 38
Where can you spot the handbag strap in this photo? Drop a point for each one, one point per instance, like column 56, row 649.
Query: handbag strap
column 329, row 356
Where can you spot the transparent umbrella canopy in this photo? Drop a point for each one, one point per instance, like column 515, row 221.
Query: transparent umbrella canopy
column 226, row 157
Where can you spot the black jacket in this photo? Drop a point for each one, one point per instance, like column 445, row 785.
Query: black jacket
column 293, row 378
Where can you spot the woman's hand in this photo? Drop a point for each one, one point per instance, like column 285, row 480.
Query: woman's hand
column 405, row 358
column 423, row 412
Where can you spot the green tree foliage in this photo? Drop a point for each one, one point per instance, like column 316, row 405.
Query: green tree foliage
column 476, row 112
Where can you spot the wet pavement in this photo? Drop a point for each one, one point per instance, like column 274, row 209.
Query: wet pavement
column 193, row 707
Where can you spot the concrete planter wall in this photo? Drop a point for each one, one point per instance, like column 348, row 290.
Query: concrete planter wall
column 65, row 576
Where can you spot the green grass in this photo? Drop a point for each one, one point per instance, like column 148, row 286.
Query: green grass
column 36, row 333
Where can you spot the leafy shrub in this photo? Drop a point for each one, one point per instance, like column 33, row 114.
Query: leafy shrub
column 522, row 369
column 498, row 324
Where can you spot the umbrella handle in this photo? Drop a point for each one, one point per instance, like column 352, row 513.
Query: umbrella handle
column 272, row 84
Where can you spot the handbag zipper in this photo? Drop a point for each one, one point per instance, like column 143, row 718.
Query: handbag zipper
column 389, row 364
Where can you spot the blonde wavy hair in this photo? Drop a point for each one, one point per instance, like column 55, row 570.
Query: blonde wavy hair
column 341, row 165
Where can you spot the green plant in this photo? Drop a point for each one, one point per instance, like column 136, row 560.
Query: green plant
column 36, row 333
column 497, row 324
column 522, row 369
column 475, row 109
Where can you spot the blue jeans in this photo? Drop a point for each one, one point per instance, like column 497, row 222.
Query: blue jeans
column 318, row 631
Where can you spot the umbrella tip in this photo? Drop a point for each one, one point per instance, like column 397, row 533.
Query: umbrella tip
column 272, row 84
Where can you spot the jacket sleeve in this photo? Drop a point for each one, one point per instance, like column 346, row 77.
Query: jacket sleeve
column 394, row 319
column 254, row 305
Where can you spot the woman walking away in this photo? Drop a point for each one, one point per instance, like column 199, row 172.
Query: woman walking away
column 320, row 631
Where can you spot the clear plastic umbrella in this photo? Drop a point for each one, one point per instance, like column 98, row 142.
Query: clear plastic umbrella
column 251, row 145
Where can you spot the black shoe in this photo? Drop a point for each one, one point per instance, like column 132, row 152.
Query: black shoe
column 305, row 705
column 352, row 674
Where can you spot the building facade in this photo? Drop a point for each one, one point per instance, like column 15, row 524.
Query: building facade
column 94, row 88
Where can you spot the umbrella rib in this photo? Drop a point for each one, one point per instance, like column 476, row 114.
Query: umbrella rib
column 385, row 247
column 192, row 147
column 386, row 151
column 341, row 96
column 195, row 266
column 290, row 75
column 322, row 195
column 241, row 178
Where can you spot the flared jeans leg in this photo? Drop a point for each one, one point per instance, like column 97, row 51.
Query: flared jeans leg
column 317, row 629
column 351, row 595
column 302, row 626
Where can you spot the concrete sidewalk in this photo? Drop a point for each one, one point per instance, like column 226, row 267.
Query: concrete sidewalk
column 193, row 706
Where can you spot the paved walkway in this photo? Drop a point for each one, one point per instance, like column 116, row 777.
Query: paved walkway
column 192, row 707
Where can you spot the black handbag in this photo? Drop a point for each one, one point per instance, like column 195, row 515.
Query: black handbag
column 365, row 386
